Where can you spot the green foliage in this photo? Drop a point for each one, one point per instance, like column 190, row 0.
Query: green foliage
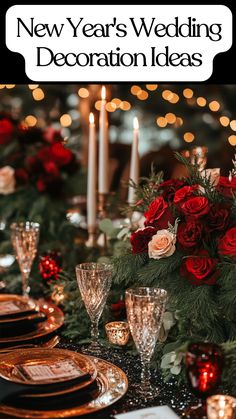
column 146, row 192
column 229, row 371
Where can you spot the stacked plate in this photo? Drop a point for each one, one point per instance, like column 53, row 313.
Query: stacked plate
column 57, row 383
column 23, row 320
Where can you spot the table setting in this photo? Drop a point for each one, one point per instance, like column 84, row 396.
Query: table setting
column 115, row 312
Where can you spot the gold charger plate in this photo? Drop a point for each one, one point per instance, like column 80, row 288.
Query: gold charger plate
column 18, row 320
column 31, row 357
column 54, row 319
column 112, row 383
column 17, row 304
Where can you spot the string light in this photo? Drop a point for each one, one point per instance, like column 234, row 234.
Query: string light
column 214, row 106
column 179, row 121
column 31, row 120
column 232, row 140
column 188, row 93
column 142, row 95
column 170, row 117
column 174, row 98
column 161, row 121
column 110, row 106
column 201, row 101
column 10, row 86
column 83, row 92
column 167, row 94
column 65, row 120
column 135, row 89
column 117, row 102
column 33, row 86
column 224, row 120
column 98, row 105
column 189, row 137
column 151, row 87
column 38, row 94
column 2, row 86
column 125, row 106
column 233, row 124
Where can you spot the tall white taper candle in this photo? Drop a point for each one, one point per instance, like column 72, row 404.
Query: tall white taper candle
column 134, row 163
column 103, row 166
column 92, row 176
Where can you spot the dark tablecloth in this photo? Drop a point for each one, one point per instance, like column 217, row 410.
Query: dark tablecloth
column 175, row 396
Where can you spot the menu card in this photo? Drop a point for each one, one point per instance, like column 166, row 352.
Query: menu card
column 63, row 369
column 160, row 412
column 7, row 307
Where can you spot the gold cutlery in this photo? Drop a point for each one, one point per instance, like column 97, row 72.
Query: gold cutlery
column 48, row 344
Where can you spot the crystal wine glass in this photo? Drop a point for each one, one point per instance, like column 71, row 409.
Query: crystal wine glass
column 24, row 237
column 94, row 280
column 145, row 309
column 204, row 362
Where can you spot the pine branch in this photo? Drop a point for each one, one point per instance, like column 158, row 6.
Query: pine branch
column 197, row 178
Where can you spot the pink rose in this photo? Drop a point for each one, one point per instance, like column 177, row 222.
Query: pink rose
column 7, row 180
column 162, row 244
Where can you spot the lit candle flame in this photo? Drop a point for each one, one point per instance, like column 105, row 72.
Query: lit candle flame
column 103, row 93
column 135, row 123
column 91, row 118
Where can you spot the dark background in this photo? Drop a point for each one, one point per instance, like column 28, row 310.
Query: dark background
column 13, row 68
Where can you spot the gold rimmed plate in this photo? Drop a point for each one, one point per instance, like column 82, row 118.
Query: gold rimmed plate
column 12, row 305
column 40, row 368
column 54, row 319
column 112, row 385
column 16, row 321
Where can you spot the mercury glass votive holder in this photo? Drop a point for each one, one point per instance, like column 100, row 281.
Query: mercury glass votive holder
column 118, row 333
column 221, row 407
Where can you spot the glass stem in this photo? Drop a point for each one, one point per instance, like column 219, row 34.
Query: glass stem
column 94, row 332
column 25, row 283
column 145, row 375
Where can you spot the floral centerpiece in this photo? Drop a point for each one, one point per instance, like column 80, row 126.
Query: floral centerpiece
column 186, row 243
column 38, row 172
column 183, row 239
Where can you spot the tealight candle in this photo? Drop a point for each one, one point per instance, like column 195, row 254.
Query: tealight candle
column 117, row 333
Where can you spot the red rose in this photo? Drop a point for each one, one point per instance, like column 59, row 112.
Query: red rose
column 158, row 214
column 217, row 219
column 189, row 234
column 227, row 244
column 61, row 154
column 169, row 187
column 201, row 269
column 195, row 207
column 33, row 164
column 41, row 185
column 6, row 130
column 51, row 135
column 21, row 176
column 44, row 154
column 140, row 239
column 227, row 187
column 185, row 193
column 51, row 168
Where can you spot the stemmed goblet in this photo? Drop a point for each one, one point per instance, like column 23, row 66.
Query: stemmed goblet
column 94, row 281
column 204, row 363
column 24, row 237
column 145, row 309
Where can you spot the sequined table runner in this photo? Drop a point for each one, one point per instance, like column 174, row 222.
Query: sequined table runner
column 175, row 396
